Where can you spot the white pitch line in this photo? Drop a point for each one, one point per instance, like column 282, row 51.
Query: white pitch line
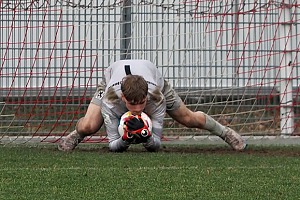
column 143, row 168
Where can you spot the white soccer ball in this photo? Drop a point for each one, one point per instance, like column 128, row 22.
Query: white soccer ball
column 144, row 116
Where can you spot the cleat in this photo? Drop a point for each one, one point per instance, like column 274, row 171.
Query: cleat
column 234, row 139
column 70, row 142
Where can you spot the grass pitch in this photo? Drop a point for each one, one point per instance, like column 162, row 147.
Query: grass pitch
column 176, row 172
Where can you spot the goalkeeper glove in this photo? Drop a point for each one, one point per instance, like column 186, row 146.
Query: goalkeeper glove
column 144, row 135
column 134, row 123
column 128, row 137
column 136, row 126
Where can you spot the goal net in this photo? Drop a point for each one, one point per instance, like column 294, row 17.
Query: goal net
column 238, row 61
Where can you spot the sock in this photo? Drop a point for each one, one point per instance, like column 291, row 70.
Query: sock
column 213, row 126
column 81, row 137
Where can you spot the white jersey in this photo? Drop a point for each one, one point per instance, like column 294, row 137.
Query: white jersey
column 112, row 111
column 118, row 70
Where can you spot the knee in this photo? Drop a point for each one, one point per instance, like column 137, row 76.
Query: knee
column 194, row 119
column 188, row 120
column 87, row 126
column 184, row 116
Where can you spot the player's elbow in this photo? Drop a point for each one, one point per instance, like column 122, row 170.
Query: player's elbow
column 153, row 144
column 116, row 148
column 113, row 149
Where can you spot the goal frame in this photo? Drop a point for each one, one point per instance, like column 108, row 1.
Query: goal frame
column 236, row 61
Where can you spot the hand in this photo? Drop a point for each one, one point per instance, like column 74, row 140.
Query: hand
column 136, row 128
column 128, row 137
column 134, row 123
column 144, row 135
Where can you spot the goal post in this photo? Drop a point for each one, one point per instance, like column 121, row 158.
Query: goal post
column 238, row 61
column 286, row 86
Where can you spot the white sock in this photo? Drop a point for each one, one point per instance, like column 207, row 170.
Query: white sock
column 213, row 126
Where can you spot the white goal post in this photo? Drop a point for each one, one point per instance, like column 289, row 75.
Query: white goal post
column 238, row 61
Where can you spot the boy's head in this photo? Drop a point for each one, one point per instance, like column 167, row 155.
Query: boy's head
column 134, row 93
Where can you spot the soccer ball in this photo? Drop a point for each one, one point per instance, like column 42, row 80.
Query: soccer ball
column 144, row 116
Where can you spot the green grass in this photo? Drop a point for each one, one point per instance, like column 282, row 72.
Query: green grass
column 176, row 172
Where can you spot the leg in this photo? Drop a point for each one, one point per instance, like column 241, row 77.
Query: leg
column 91, row 122
column 191, row 119
column 87, row 125
column 179, row 112
column 201, row 120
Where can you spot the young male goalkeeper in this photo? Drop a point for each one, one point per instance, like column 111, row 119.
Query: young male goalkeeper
column 138, row 86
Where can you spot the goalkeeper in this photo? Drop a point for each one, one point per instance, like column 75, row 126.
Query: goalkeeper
column 138, row 86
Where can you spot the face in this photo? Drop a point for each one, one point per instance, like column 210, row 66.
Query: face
column 135, row 108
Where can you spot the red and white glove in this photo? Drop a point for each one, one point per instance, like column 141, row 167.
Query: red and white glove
column 127, row 136
column 136, row 130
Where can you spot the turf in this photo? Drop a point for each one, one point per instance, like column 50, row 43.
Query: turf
column 176, row 172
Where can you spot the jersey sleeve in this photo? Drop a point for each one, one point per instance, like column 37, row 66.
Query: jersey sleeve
column 157, row 114
column 111, row 121
column 157, row 76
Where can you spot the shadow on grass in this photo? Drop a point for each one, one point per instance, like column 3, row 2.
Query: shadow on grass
column 291, row 151
column 260, row 150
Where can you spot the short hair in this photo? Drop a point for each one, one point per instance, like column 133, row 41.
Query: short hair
column 134, row 88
